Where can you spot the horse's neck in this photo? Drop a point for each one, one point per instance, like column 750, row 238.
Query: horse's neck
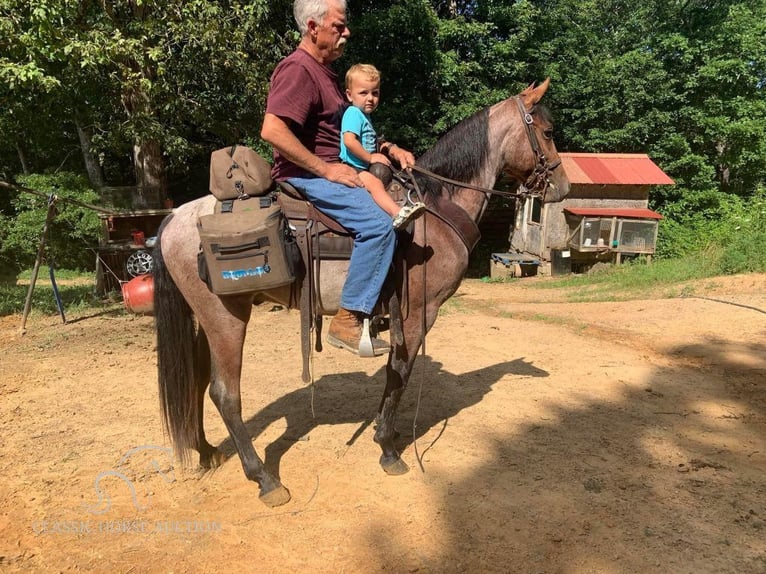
column 475, row 202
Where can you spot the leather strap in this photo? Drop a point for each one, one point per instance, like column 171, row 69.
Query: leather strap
column 456, row 217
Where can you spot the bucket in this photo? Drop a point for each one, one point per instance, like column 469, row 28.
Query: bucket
column 561, row 262
column 139, row 238
column 138, row 295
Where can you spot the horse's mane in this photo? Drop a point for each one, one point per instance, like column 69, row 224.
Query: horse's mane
column 461, row 152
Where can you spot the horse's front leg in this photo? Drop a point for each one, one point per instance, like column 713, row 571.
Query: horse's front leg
column 398, row 371
column 405, row 347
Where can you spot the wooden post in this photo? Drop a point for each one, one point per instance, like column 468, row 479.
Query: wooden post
column 36, row 270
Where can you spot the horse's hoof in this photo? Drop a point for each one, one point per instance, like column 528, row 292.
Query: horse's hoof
column 211, row 460
column 377, row 440
column 275, row 497
column 395, row 468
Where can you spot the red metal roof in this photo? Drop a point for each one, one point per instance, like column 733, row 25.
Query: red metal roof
column 641, row 213
column 613, row 169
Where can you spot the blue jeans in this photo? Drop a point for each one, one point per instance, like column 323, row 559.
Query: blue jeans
column 374, row 237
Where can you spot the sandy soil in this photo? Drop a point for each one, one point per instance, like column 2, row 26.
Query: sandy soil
column 554, row 438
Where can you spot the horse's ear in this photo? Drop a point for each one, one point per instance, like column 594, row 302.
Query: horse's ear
column 528, row 89
column 532, row 94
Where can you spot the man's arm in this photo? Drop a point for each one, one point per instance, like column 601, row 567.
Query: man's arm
column 351, row 140
column 277, row 133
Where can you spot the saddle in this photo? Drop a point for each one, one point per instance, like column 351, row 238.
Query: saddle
column 321, row 239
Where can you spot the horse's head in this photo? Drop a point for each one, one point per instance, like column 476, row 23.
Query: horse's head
column 529, row 154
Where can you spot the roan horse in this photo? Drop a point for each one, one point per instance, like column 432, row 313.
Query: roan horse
column 513, row 136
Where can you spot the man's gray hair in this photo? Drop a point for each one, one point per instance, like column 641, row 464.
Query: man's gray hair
column 305, row 10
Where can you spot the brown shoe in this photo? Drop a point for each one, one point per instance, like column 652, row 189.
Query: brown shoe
column 346, row 333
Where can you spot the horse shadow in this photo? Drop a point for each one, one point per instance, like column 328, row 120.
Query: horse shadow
column 342, row 399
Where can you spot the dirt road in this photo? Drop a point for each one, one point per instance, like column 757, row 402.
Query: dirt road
column 554, row 438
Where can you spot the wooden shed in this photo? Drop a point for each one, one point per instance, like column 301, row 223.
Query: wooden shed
column 605, row 217
column 122, row 250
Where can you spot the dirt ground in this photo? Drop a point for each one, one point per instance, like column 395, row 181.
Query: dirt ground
column 554, row 437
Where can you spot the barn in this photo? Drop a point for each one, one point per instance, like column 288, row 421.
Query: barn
column 605, row 218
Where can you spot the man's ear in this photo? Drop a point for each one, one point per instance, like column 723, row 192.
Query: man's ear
column 312, row 25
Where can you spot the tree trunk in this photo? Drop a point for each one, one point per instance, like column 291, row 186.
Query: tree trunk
column 21, row 150
column 723, row 168
column 149, row 166
column 92, row 165
column 148, row 163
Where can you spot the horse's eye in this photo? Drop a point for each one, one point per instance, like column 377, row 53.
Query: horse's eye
column 548, row 133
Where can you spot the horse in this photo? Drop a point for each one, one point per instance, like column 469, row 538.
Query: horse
column 200, row 336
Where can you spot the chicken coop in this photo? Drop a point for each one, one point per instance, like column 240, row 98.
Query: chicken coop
column 605, row 217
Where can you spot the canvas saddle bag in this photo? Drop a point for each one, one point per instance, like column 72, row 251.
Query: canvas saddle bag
column 237, row 172
column 246, row 246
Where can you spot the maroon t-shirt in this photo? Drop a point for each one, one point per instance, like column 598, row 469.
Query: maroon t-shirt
column 305, row 94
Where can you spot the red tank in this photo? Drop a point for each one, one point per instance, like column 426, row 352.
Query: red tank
column 138, row 295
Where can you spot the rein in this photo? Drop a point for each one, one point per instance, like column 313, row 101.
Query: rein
column 443, row 179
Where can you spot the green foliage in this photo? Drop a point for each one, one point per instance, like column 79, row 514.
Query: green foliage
column 702, row 220
column 189, row 75
column 681, row 81
column 400, row 40
column 73, row 297
column 744, row 251
column 72, row 232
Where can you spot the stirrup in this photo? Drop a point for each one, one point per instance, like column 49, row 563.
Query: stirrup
column 365, row 341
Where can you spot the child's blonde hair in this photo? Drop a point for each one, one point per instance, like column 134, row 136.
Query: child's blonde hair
column 368, row 71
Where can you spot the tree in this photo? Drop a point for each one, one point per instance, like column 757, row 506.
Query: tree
column 166, row 78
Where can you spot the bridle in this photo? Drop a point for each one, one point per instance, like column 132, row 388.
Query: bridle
column 540, row 180
column 537, row 183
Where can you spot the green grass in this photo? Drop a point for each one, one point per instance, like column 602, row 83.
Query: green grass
column 76, row 291
column 664, row 278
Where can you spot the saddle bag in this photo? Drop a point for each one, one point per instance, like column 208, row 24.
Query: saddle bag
column 237, row 172
column 249, row 250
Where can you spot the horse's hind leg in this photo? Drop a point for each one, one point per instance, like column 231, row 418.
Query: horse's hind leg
column 226, row 352
column 209, row 456
column 224, row 391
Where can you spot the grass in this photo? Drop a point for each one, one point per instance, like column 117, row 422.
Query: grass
column 664, row 278
column 77, row 292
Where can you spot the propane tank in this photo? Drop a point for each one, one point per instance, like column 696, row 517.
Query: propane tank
column 138, row 295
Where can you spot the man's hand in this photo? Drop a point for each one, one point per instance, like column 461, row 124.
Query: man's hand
column 342, row 173
column 276, row 132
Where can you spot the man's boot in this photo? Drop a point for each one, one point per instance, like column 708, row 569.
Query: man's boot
column 346, row 332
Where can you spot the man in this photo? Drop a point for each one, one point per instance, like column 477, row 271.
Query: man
column 302, row 123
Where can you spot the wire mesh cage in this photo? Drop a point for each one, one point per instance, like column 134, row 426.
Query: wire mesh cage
column 637, row 236
column 595, row 232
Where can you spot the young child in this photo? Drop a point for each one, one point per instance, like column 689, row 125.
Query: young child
column 359, row 142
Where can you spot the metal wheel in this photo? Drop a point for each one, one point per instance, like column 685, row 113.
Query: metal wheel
column 139, row 263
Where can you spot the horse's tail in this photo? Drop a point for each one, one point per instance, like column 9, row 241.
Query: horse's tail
column 177, row 358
